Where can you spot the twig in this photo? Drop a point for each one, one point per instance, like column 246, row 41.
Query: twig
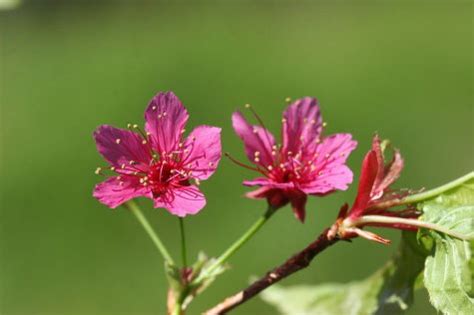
column 297, row 262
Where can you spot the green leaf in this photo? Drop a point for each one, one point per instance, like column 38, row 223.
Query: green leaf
column 448, row 275
column 387, row 291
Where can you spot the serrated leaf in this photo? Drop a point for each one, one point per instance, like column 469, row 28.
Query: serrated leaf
column 388, row 291
column 448, row 275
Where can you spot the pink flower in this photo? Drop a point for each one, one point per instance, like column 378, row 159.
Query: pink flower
column 304, row 164
column 158, row 163
column 375, row 198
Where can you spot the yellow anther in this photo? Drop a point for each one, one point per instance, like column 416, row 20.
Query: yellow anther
column 270, row 168
column 129, row 126
column 283, row 120
column 122, row 166
column 325, row 124
column 98, row 170
column 112, row 168
column 153, row 107
column 247, row 105
column 144, row 142
column 135, row 126
column 288, row 99
column 257, row 159
column 117, row 141
column 256, row 153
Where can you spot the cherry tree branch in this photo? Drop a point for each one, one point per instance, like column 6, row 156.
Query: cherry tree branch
column 297, row 262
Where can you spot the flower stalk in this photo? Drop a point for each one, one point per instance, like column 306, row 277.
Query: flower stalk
column 379, row 219
column 236, row 245
column 183, row 243
column 135, row 209
column 436, row 191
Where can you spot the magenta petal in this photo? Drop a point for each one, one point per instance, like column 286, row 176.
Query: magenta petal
column 330, row 172
column 302, row 125
column 367, row 179
column 165, row 120
column 183, row 201
column 258, row 141
column 115, row 191
column 204, row 145
column 120, row 146
column 258, row 193
column 392, row 172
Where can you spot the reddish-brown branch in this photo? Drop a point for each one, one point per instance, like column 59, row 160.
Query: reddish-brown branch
column 297, row 262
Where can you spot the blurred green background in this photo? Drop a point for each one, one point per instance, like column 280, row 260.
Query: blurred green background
column 404, row 69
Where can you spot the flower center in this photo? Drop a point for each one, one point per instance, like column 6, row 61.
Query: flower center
column 165, row 174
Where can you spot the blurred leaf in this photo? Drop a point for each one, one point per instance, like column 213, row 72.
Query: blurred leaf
column 448, row 272
column 387, row 291
column 173, row 274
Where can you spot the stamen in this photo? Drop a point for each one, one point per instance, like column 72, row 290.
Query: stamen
column 242, row 164
column 117, row 141
column 325, row 124
column 98, row 170
column 288, row 99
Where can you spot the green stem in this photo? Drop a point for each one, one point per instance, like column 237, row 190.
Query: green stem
column 177, row 309
column 236, row 245
column 436, row 191
column 183, row 243
column 135, row 209
column 367, row 219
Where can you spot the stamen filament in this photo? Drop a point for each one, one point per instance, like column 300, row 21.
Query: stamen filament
column 243, row 165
